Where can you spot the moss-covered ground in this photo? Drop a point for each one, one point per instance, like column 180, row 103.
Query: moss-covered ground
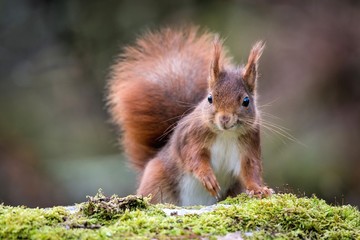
column 280, row 216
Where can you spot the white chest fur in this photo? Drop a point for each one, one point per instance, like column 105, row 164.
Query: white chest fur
column 225, row 161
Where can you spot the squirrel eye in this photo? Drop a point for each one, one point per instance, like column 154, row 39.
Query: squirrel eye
column 246, row 101
column 210, row 99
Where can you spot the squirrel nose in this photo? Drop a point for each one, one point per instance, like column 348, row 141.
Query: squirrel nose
column 224, row 119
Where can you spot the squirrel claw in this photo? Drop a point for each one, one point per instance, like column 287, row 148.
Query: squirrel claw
column 250, row 192
column 218, row 196
column 260, row 192
column 212, row 186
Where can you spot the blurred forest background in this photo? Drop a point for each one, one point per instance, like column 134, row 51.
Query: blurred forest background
column 56, row 142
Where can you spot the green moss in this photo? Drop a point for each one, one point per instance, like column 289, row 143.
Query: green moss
column 108, row 208
column 281, row 216
column 286, row 215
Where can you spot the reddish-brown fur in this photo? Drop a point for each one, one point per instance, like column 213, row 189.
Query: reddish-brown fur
column 161, row 84
column 147, row 110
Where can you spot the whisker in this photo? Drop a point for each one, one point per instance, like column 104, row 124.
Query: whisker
column 167, row 130
column 179, row 116
column 174, row 125
column 268, row 104
column 283, row 133
column 186, row 104
column 262, row 113
column 275, row 125
column 275, row 128
column 279, row 133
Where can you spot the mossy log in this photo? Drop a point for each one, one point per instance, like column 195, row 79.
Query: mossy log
column 101, row 217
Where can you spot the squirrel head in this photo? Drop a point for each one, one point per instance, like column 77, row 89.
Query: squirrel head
column 232, row 90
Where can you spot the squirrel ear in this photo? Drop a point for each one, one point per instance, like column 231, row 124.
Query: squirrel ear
column 215, row 67
column 250, row 73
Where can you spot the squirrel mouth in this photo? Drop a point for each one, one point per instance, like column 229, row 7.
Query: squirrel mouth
column 231, row 127
column 237, row 126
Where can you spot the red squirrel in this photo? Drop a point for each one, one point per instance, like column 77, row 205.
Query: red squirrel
column 188, row 117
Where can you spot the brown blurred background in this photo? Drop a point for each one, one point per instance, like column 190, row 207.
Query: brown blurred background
column 56, row 145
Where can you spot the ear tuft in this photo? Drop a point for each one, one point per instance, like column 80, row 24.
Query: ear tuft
column 251, row 74
column 215, row 67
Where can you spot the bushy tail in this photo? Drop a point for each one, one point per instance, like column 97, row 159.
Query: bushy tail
column 154, row 84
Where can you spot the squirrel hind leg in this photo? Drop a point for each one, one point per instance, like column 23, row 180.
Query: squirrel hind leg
column 155, row 182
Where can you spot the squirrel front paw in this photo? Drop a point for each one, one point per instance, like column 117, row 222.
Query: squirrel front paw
column 259, row 192
column 211, row 184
